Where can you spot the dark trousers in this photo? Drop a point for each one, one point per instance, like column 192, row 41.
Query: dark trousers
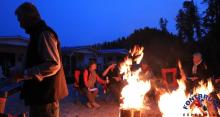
column 115, row 90
column 47, row 110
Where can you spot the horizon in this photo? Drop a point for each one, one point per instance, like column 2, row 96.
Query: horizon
column 82, row 23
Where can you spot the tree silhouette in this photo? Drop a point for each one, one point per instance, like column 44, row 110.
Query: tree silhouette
column 189, row 22
column 163, row 49
column 212, row 14
column 210, row 46
column 163, row 24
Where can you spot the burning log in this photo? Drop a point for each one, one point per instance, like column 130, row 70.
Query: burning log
column 130, row 113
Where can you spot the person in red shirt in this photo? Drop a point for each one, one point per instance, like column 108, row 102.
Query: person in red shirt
column 76, row 78
column 90, row 78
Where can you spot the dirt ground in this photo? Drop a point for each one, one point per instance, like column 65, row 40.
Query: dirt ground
column 70, row 109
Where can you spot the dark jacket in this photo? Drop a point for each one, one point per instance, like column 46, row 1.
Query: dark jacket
column 202, row 73
column 50, row 89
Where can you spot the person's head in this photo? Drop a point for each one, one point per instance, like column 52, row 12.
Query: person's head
column 197, row 57
column 92, row 66
column 27, row 15
column 144, row 66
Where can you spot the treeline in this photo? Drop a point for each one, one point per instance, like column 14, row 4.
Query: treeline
column 161, row 49
column 197, row 32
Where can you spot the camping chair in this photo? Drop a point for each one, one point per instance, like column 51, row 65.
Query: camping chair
column 78, row 93
column 169, row 78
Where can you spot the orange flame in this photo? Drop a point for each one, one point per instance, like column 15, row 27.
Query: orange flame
column 171, row 104
column 133, row 93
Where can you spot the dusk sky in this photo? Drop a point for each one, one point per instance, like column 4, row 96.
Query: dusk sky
column 84, row 22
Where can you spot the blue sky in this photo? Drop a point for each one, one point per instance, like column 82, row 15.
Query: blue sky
column 84, row 22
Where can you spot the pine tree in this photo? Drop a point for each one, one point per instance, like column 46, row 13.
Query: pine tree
column 212, row 14
column 189, row 22
column 163, row 24
column 212, row 25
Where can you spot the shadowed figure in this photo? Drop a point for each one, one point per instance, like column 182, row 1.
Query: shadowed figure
column 42, row 72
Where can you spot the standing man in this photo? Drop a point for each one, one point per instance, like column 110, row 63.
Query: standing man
column 43, row 75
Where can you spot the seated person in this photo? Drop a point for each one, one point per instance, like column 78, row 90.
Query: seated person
column 90, row 78
column 77, row 73
column 78, row 86
column 113, row 78
column 199, row 72
column 147, row 74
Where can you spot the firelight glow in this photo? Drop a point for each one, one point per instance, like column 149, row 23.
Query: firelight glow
column 133, row 93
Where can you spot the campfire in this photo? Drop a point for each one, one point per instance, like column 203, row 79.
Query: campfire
column 133, row 93
column 177, row 103
column 174, row 103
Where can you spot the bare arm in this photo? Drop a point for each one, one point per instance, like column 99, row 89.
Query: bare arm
column 99, row 79
column 107, row 70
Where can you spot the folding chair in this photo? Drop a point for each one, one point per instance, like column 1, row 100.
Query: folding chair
column 169, row 78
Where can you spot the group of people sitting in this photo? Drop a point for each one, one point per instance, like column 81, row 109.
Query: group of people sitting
column 86, row 80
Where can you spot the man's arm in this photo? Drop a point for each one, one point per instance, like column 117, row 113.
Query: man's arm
column 107, row 70
column 48, row 51
column 99, row 79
